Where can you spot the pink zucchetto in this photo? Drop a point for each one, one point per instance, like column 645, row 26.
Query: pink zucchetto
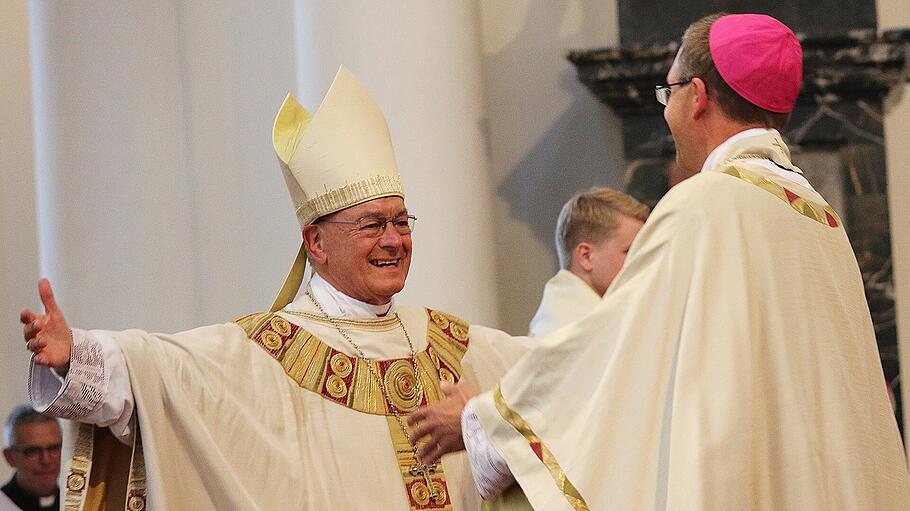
column 760, row 58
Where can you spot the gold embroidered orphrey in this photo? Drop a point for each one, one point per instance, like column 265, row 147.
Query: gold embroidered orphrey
column 350, row 382
column 540, row 449
column 419, row 468
column 821, row 213
column 105, row 474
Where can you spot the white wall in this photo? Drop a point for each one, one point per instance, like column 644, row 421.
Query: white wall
column 152, row 134
column 421, row 62
column 895, row 14
column 18, row 236
column 548, row 136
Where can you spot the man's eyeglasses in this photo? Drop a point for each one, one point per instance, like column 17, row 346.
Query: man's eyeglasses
column 663, row 91
column 34, row 452
column 374, row 227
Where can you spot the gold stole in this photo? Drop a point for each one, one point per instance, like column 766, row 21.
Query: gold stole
column 106, row 474
column 821, row 213
column 349, row 381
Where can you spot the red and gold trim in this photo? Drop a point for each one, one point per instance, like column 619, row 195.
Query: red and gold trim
column 821, row 213
column 540, row 450
column 348, row 381
column 80, row 468
column 136, row 498
column 419, row 495
column 105, row 474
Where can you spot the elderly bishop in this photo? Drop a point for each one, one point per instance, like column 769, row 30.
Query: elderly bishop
column 302, row 407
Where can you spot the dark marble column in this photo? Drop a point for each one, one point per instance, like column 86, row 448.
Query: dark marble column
column 642, row 22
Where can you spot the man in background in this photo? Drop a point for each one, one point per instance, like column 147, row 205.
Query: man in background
column 594, row 231
column 32, row 447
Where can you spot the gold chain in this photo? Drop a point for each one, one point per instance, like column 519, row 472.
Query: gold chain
column 385, row 393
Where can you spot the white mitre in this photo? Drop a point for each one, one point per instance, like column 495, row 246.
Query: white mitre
column 338, row 158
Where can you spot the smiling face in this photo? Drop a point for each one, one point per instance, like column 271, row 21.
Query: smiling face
column 36, row 457
column 363, row 266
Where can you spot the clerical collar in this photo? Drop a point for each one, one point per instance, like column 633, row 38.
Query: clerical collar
column 711, row 161
column 27, row 501
column 722, row 151
column 339, row 304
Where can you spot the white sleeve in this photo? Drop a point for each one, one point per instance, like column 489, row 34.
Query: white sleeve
column 491, row 472
column 96, row 389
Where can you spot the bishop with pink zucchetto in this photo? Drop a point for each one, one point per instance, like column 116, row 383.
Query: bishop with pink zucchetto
column 732, row 363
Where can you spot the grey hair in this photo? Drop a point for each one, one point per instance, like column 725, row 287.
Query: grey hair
column 21, row 415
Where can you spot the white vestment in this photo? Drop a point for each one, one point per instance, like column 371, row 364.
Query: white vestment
column 6, row 504
column 566, row 299
column 275, row 411
column 731, row 365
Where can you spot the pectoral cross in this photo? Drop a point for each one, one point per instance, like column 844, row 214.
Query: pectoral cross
column 422, row 469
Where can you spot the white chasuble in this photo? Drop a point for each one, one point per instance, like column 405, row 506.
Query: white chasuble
column 277, row 411
column 566, row 299
column 731, row 365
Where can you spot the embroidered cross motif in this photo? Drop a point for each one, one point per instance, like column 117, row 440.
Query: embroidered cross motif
column 425, row 471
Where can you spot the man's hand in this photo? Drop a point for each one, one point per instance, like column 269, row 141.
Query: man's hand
column 440, row 423
column 47, row 335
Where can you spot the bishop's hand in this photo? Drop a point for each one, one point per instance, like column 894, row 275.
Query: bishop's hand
column 47, row 335
column 439, row 424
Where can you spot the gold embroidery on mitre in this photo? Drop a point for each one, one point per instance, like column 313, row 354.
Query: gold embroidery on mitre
column 351, row 194
column 339, row 157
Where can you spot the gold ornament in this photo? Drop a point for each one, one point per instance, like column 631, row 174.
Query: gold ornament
column 336, row 386
column 281, row 326
column 401, row 384
column 271, row 340
column 341, row 365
